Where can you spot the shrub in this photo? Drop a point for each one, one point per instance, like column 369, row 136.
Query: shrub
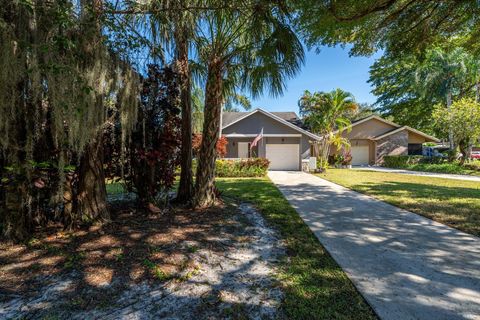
column 347, row 158
column 406, row 161
column 252, row 167
column 401, row 161
column 221, row 145
column 473, row 165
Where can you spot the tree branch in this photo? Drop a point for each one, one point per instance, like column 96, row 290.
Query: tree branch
column 361, row 14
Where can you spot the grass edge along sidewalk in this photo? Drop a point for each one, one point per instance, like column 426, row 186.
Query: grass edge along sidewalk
column 315, row 286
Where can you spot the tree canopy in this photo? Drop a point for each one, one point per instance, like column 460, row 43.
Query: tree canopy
column 396, row 26
column 408, row 87
column 463, row 119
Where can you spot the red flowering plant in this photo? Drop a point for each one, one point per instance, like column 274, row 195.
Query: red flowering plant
column 155, row 143
column 221, row 145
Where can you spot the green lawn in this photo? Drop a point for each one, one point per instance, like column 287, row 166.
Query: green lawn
column 315, row 286
column 452, row 202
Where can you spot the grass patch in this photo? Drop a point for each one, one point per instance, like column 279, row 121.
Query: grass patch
column 452, row 202
column 114, row 188
column 315, row 286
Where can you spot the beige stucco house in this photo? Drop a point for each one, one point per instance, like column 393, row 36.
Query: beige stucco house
column 373, row 137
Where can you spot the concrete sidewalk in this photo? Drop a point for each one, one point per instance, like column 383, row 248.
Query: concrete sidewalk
column 421, row 173
column 405, row 265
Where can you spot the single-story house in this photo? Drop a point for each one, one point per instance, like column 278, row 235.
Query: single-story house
column 373, row 137
column 286, row 141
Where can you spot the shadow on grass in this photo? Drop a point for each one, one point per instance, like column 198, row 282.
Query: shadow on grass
column 456, row 206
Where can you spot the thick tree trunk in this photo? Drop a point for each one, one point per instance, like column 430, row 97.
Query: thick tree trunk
column 14, row 224
column 185, row 189
column 205, row 194
column 91, row 201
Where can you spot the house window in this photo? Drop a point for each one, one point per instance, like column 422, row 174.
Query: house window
column 415, row 149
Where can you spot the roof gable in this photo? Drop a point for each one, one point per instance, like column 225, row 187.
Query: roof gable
column 233, row 118
column 375, row 128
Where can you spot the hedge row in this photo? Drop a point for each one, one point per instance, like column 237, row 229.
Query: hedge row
column 400, row 161
column 405, row 161
column 252, row 167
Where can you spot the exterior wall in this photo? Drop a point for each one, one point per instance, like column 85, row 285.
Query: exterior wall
column 415, row 138
column 232, row 147
column 254, row 123
column 369, row 130
column 392, row 145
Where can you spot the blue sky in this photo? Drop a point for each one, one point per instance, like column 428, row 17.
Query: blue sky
column 331, row 68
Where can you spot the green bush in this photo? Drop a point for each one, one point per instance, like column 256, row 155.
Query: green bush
column 252, row 167
column 473, row 165
column 433, row 164
column 401, row 161
column 407, row 161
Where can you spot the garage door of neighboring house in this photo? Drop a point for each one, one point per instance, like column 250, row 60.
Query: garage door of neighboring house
column 360, row 155
column 283, row 156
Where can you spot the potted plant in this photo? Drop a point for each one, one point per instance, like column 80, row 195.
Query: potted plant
column 347, row 160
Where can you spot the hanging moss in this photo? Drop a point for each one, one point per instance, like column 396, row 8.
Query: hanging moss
column 55, row 84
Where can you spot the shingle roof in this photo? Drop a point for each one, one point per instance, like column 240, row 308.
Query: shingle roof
column 290, row 116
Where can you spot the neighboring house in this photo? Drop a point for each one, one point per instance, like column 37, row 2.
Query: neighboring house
column 285, row 143
column 373, row 137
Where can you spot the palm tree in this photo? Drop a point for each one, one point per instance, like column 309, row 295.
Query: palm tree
column 443, row 72
column 236, row 100
column 198, row 105
column 326, row 113
column 253, row 48
column 175, row 27
column 170, row 25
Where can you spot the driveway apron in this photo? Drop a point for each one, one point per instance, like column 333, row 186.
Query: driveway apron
column 406, row 266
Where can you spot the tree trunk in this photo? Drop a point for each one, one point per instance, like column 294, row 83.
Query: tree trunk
column 13, row 220
column 464, row 149
column 91, row 201
column 205, row 194
column 450, row 130
column 185, row 189
column 477, row 92
column 91, row 198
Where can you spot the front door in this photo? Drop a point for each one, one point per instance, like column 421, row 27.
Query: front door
column 243, row 149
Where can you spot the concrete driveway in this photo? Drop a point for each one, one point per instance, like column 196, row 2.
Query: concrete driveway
column 406, row 266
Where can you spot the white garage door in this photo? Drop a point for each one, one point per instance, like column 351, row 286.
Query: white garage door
column 283, row 156
column 360, row 155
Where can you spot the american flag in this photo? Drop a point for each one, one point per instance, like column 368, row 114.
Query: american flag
column 257, row 138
